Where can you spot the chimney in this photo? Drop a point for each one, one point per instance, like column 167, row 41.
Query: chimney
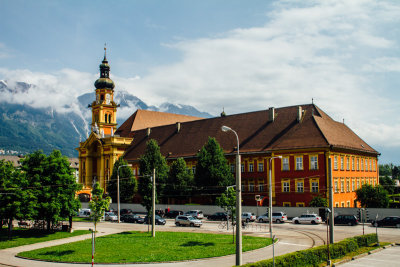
column 299, row 113
column 271, row 114
column 148, row 131
column 178, row 127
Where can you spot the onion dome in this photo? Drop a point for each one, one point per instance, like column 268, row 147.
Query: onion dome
column 104, row 81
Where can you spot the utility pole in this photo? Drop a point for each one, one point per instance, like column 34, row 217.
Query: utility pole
column 153, row 219
column 331, row 214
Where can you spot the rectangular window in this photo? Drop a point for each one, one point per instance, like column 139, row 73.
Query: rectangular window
column 232, row 168
column 313, row 163
column 347, row 186
column 286, row 204
column 251, row 167
column 251, row 187
column 260, row 167
column 358, row 184
column 348, row 164
column 358, row 164
column 314, row 186
column 362, row 164
column 370, row 165
column 342, row 186
column 366, row 164
column 299, row 163
column 335, row 162
column 285, row 164
column 242, row 167
column 194, row 169
column 336, row 187
column 373, row 165
column 260, row 186
column 286, row 186
column 348, row 204
column 299, row 204
column 243, row 188
column 300, row 187
column 342, row 163
column 352, row 185
column 352, row 164
column 343, row 204
column 337, row 204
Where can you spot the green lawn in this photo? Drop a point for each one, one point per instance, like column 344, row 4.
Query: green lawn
column 141, row 247
column 22, row 237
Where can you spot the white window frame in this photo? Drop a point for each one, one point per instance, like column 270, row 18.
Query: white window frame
column 314, row 162
column 285, row 164
column 299, row 163
column 251, row 167
column 314, row 187
column 300, row 186
column 286, row 186
column 260, row 167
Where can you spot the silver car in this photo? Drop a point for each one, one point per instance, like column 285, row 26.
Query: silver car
column 110, row 216
column 307, row 218
column 185, row 220
column 278, row 217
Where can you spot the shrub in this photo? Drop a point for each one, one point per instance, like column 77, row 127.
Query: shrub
column 314, row 256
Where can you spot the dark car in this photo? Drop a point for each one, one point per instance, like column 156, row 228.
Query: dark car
column 173, row 213
column 218, row 216
column 132, row 218
column 388, row 221
column 346, row 219
column 158, row 220
column 125, row 211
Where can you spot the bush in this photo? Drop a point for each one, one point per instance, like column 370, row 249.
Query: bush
column 317, row 255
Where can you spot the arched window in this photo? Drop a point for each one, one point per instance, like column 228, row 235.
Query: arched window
column 109, row 118
column 105, row 118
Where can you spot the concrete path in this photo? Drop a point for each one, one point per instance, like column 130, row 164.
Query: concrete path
column 386, row 257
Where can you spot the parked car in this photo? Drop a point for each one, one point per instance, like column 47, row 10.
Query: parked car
column 248, row 217
column 388, row 221
column 158, row 220
column 186, row 220
column 110, row 216
column 345, row 219
column 84, row 213
column 198, row 214
column 278, row 217
column 307, row 218
column 132, row 218
column 218, row 216
column 173, row 213
column 125, row 211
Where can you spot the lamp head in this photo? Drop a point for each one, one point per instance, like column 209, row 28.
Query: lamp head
column 225, row 128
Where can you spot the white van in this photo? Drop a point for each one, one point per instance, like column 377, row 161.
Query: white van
column 84, row 213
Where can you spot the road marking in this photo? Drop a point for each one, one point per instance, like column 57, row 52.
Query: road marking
column 293, row 244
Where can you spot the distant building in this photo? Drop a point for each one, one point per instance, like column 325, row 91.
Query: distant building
column 304, row 136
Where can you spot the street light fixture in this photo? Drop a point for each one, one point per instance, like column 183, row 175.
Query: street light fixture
column 270, row 194
column 118, row 208
column 328, row 211
column 238, row 201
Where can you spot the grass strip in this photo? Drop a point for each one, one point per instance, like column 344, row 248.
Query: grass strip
column 131, row 247
column 22, row 237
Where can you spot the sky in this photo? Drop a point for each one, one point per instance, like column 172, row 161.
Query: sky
column 239, row 56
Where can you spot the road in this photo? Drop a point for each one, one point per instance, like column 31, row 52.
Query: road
column 291, row 238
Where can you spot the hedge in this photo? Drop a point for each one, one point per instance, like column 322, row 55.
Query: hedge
column 317, row 255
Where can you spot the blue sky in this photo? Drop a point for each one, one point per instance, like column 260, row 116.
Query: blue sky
column 240, row 55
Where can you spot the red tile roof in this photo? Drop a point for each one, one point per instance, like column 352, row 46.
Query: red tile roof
column 256, row 134
column 143, row 119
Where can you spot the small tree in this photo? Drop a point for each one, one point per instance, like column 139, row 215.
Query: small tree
column 318, row 201
column 372, row 197
column 227, row 201
column 180, row 179
column 127, row 182
column 212, row 170
column 152, row 159
column 98, row 204
column 387, row 183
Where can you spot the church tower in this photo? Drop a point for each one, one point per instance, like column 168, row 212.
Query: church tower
column 104, row 109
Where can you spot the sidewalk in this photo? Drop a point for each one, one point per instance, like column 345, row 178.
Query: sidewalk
column 385, row 257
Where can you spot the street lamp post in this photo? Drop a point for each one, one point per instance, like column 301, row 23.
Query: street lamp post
column 238, row 201
column 270, row 194
column 328, row 211
column 118, row 213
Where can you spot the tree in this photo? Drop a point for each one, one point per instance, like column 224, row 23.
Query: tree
column 387, row 183
column 318, row 201
column 152, row 159
column 227, row 201
column 53, row 185
column 127, row 182
column 98, row 205
column 385, row 169
column 180, row 179
column 212, row 169
column 16, row 200
column 372, row 197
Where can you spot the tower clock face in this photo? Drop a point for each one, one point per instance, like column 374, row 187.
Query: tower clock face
column 108, row 97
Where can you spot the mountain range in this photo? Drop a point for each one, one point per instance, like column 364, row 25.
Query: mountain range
column 25, row 128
